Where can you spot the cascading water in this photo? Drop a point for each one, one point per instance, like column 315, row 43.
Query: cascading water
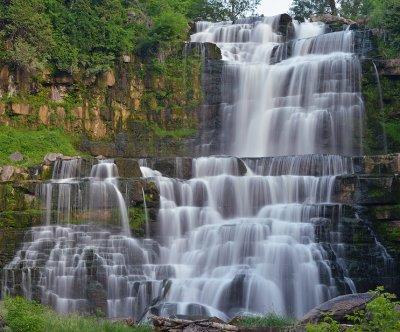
column 250, row 235
column 305, row 102
column 82, row 249
column 248, row 243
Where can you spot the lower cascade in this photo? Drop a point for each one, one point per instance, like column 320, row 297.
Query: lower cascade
column 252, row 234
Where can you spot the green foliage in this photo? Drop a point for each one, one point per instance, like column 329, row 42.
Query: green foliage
column 384, row 14
column 269, row 320
column 220, row 10
column 328, row 325
column 354, row 8
column 88, row 35
column 177, row 133
column 27, row 34
column 137, row 220
column 24, row 316
column 33, row 144
column 380, row 315
column 303, row 9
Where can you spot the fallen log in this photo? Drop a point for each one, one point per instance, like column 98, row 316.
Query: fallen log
column 175, row 324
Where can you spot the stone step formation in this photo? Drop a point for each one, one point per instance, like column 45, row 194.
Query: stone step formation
column 278, row 228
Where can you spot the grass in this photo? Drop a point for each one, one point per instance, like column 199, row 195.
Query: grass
column 33, row 144
column 269, row 320
column 21, row 315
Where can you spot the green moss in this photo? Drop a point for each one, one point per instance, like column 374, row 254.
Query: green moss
column 33, row 144
column 177, row 133
column 137, row 220
column 20, row 219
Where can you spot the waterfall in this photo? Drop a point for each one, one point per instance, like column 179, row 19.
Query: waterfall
column 252, row 243
column 305, row 103
column 252, row 234
column 81, row 251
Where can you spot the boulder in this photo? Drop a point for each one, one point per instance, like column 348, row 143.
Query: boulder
column 126, row 58
column 51, row 158
column 110, row 78
column 338, row 308
column 16, row 156
column 7, row 172
column 44, row 114
column 20, row 109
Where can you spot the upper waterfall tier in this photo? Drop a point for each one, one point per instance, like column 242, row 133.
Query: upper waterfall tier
column 287, row 98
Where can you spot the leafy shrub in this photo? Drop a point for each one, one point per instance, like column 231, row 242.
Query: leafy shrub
column 380, row 315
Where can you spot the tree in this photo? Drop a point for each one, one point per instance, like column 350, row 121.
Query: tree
column 239, row 8
column 303, row 9
column 222, row 10
column 28, row 33
column 354, row 8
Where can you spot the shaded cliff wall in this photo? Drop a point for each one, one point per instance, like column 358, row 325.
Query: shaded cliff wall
column 141, row 107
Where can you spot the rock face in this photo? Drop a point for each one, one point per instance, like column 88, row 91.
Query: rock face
column 338, row 308
column 389, row 67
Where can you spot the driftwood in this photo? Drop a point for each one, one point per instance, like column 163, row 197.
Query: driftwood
column 174, row 324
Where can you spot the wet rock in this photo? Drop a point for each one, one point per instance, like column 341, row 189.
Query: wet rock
column 338, row 308
column 368, row 190
column 322, row 228
column 50, row 158
column 209, row 51
column 6, row 173
column 16, row 156
column 128, row 168
column 285, row 26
